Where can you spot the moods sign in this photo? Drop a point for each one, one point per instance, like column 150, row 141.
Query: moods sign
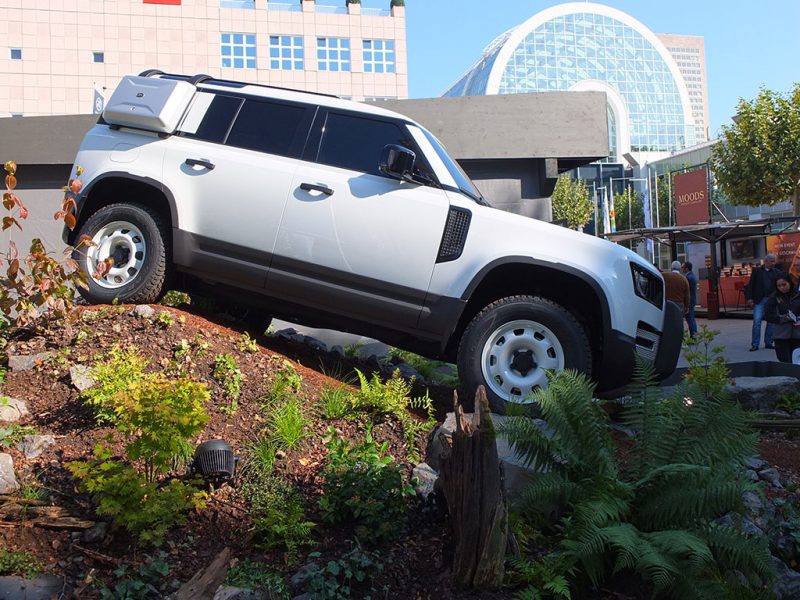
column 691, row 197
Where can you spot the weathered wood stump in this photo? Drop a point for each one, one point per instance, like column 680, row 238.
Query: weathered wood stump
column 472, row 480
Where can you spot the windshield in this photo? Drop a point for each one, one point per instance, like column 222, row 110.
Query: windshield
column 464, row 183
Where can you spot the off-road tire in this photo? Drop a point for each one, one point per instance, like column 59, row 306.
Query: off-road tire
column 562, row 331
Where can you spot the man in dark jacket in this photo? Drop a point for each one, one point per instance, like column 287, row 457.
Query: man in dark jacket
column 686, row 269
column 756, row 292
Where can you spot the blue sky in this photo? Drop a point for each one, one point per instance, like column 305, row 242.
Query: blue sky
column 748, row 44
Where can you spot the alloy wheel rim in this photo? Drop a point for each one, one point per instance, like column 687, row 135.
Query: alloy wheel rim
column 124, row 243
column 516, row 358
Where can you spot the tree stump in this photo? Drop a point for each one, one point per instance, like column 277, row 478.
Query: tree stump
column 472, row 480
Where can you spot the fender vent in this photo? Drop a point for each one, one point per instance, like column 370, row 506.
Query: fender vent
column 455, row 234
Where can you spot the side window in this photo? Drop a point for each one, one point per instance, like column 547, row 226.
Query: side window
column 210, row 117
column 356, row 143
column 270, row 127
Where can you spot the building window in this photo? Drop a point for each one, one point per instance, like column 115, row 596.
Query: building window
column 15, row 53
column 286, row 52
column 333, row 54
column 237, row 4
column 16, row 115
column 238, row 50
column 99, row 57
column 379, row 56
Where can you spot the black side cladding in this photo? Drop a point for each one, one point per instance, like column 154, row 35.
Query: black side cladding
column 455, row 234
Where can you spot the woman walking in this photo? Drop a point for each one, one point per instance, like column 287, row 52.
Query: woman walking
column 783, row 310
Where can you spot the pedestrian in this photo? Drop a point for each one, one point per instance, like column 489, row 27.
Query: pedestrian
column 687, row 271
column 676, row 287
column 757, row 292
column 782, row 310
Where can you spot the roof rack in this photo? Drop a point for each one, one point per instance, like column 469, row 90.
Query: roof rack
column 202, row 78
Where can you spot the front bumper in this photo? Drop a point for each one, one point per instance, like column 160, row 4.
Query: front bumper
column 662, row 349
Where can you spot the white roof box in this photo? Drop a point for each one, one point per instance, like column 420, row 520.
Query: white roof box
column 148, row 103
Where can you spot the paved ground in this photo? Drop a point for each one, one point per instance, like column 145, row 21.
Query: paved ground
column 734, row 336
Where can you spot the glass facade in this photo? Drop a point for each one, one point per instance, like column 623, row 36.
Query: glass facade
column 571, row 48
column 238, row 50
column 333, row 54
column 286, row 52
column 379, row 56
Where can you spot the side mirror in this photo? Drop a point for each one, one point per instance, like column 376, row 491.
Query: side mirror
column 397, row 162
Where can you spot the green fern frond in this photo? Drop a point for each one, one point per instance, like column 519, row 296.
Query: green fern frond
column 530, row 444
column 736, row 551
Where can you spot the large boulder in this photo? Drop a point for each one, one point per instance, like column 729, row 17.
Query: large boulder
column 762, row 393
column 33, row 445
column 26, row 362
column 8, row 479
column 43, row 587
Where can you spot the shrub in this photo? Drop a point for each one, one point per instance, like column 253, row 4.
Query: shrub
column 257, row 576
column 165, row 319
column 113, row 375
column 363, row 485
column 655, row 517
column 144, row 508
column 425, row 367
column 229, row 375
column 12, row 434
column 22, row 564
column 347, row 577
column 247, row 344
column 138, row 586
column 286, row 423
column 176, row 298
column 286, row 381
column 335, row 402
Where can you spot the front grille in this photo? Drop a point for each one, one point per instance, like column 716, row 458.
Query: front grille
column 455, row 234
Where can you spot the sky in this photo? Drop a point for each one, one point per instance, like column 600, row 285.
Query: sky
column 748, row 44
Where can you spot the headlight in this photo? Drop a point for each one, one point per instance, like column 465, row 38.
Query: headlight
column 648, row 285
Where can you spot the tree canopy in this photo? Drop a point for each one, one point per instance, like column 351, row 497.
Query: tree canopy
column 571, row 201
column 757, row 160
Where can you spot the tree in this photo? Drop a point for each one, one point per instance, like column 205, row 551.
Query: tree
column 629, row 209
column 571, row 201
column 757, row 160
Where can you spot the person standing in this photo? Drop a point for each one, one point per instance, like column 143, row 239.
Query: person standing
column 757, row 292
column 676, row 288
column 783, row 310
column 686, row 269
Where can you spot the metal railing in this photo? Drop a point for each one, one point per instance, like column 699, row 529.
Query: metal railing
column 376, row 12
column 285, row 6
column 237, row 3
column 331, row 10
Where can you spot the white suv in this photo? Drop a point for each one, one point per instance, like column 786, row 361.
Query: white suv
column 347, row 216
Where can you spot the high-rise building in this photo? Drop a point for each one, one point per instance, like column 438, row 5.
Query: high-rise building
column 66, row 56
column 689, row 52
column 586, row 46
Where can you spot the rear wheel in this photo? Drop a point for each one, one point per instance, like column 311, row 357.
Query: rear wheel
column 132, row 239
column 509, row 346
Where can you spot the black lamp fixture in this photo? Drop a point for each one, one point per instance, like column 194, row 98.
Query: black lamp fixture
column 214, row 460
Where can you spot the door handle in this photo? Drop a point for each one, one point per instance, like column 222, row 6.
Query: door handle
column 317, row 188
column 200, row 162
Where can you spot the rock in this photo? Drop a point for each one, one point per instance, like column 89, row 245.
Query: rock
column 27, row 362
column 337, row 350
column 761, row 393
column 751, row 528
column 298, row 580
column 43, row 587
column 227, row 592
column 751, row 475
column 96, row 534
column 286, row 334
column 81, row 377
column 772, row 477
column 752, row 502
column 314, row 343
column 426, row 479
column 144, row 311
column 33, row 445
column 787, row 582
column 754, row 463
column 8, row 479
column 408, row 372
column 12, row 410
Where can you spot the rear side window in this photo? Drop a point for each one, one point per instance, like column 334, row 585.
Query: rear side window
column 270, row 127
column 210, row 117
column 356, row 143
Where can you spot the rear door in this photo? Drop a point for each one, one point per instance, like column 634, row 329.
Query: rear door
column 230, row 170
column 353, row 241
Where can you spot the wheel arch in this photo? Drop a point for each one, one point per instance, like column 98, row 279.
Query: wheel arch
column 571, row 288
column 121, row 187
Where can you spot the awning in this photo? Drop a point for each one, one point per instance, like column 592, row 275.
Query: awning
column 707, row 232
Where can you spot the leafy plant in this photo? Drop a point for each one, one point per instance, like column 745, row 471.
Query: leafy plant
column 176, row 298
column 335, row 402
column 113, row 375
column 277, row 514
column 571, row 202
column 707, row 365
column 363, row 485
column 229, row 375
column 429, row 369
column 347, row 577
column 139, row 586
column 353, row 351
column 257, row 576
column 789, row 402
column 655, row 517
column 286, row 381
column 23, row 564
column 543, row 579
column 259, row 458
column 286, row 423
column 12, row 434
column 394, row 398
column 143, row 507
column 247, row 344
column 165, row 319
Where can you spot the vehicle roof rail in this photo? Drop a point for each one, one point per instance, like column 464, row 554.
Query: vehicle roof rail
column 150, row 73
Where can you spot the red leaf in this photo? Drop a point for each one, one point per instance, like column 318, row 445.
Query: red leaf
column 11, row 167
column 76, row 185
column 85, row 240
column 8, row 200
column 11, row 182
column 12, row 250
column 13, row 269
column 69, row 221
column 23, row 212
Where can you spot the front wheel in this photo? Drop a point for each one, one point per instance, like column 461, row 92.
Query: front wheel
column 509, row 346
column 132, row 239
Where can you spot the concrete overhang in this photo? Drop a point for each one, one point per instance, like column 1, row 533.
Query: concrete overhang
column 570, row 127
